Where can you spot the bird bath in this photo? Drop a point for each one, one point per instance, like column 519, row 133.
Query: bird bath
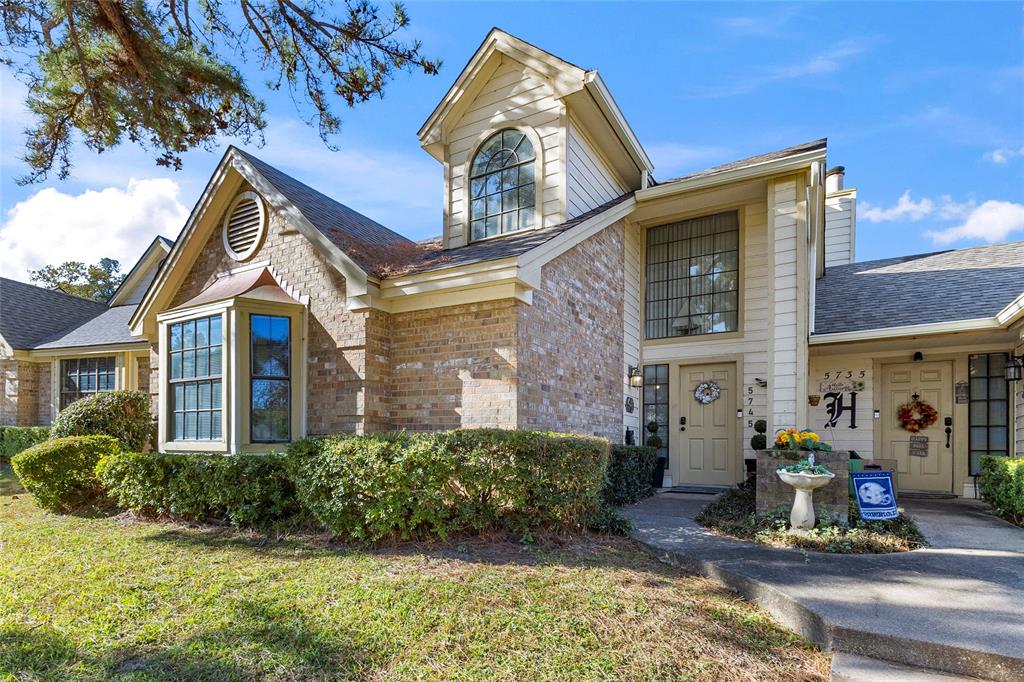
column 801, row 519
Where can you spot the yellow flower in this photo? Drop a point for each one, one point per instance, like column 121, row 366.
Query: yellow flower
column 805, row 435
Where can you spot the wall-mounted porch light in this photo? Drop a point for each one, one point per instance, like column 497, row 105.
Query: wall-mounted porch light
column 636, row 377
column 1013, row 368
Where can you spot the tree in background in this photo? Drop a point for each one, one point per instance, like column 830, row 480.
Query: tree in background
column 98, row 282
column 164, row 74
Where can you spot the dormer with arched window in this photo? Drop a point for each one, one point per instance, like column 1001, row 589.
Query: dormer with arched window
column 528, row 141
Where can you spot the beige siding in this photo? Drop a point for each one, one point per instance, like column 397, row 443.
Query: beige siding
column 840, row 228
column 824, row 370
column 631, row 331
column 589, row 180
column 134, row 296
column 750, row 346
column 514, row 96
column 788, row 307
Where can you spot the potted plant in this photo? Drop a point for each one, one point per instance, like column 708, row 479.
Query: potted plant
column 805, row 476
column 654, row 441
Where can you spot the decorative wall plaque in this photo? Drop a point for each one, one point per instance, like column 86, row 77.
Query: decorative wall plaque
column 963, row 393
column 919, row 446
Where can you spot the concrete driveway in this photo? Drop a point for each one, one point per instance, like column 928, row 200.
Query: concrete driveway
column 956, row 606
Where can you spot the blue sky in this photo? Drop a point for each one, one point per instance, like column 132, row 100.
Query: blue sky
column 923, row 104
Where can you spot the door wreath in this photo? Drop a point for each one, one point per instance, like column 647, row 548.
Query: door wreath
column 707, row 392
column 927, row 415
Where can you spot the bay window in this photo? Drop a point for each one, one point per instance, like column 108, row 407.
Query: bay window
column 196, row 380
column 270, row 379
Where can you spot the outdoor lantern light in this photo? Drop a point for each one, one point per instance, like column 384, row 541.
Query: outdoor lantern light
column 636, row 378
column 1013, row 368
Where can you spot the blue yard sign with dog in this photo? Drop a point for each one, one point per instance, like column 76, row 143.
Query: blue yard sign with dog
column 876, row 496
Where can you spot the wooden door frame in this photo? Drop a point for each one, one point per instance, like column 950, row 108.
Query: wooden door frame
column 879, row 368
column 675, row 367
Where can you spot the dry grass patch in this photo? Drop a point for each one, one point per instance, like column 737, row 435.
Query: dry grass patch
column 97, row 599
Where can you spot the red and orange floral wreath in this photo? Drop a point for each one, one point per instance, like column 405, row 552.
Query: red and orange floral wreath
column 905, row 414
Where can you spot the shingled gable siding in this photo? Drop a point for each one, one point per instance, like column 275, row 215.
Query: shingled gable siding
column 342, row 385
column 571, row 341
column 454, row 367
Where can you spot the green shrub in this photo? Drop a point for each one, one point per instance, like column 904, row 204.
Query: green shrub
column 251, row 491
column 417, row 485
column 121, row 414
column 630, row 468
column 14, row 439
column 1002, row 486
column 58, row 473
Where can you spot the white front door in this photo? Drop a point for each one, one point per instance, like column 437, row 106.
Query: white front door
column 703, row 445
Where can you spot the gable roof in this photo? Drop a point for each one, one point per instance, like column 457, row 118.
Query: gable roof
column 583, row 89
column 133, row 281
column 31, row 314
column 367, row 242
column 752, row 161
column 109, row 327
column 945, row 286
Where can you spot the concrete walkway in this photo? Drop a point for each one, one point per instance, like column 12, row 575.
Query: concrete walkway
column 957, row 606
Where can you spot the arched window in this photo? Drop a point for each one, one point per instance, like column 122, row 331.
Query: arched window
column 502, row 196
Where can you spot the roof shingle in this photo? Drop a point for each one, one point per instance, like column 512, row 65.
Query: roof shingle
column 30, row 314
column 927, row 288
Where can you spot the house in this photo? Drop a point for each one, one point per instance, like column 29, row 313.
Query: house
column 569, row 290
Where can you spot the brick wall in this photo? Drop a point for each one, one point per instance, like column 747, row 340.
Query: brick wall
column 8, row 392
column 25, row 399
column 337, row 338
column 571, row 341
column 454, row 367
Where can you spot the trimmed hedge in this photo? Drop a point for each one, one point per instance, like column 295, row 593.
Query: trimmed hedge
column 1002, row 486
column 14, row 439
column 251, row 491
column 418, row 485
column 122, row 414
column 59, row 473
column 629, row 474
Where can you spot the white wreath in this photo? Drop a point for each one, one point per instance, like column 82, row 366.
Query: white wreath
column 707, row 392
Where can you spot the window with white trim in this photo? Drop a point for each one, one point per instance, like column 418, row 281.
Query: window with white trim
column 502, row 190
column 195, row 359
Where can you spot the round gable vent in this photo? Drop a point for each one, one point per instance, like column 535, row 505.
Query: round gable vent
column 244, row 226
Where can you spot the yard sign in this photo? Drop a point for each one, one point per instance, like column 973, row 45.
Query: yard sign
column 875, row 495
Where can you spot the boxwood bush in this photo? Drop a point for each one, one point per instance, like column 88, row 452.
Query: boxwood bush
column 1002, row 486
column 14, row 439
column 406, row 486
column 122, row 414
column 251, row 491
column 59, row 473
column 629, row 474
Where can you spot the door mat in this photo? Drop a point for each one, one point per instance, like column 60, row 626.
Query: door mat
column 698, row 489
column 909, row 495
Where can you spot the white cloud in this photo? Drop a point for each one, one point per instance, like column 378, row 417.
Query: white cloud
column 828, row 61
column 992, row 221
column 905, row 209
column 51, row 227
column 763, row 26
column 1003, row 156
column 672, row 158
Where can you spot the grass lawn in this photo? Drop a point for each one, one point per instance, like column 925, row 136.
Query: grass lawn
column 112, row 598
